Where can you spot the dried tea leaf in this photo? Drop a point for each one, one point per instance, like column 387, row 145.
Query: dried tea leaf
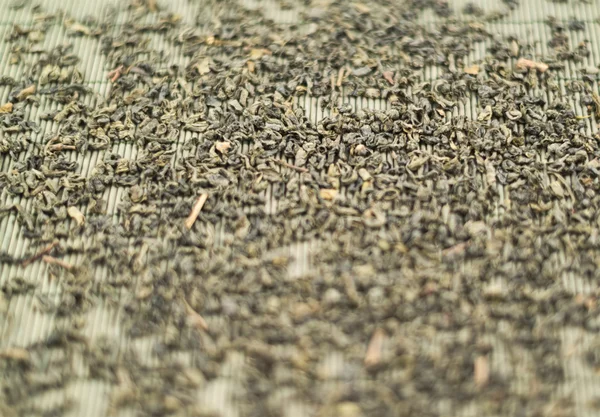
column 557, row 189
column 361, row 72
column 490, row 174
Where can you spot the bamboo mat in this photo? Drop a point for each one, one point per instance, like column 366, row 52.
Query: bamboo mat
column 22, row 322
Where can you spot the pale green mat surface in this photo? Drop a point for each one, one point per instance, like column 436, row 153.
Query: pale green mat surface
column 22, row 323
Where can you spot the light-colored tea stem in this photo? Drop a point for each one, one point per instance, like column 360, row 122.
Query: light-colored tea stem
column 51, row 260
column 373, row 356
column 41, row 253
column 286, row 164
column 189, row 222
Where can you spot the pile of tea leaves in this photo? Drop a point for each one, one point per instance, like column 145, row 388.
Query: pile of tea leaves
column 345, row 216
